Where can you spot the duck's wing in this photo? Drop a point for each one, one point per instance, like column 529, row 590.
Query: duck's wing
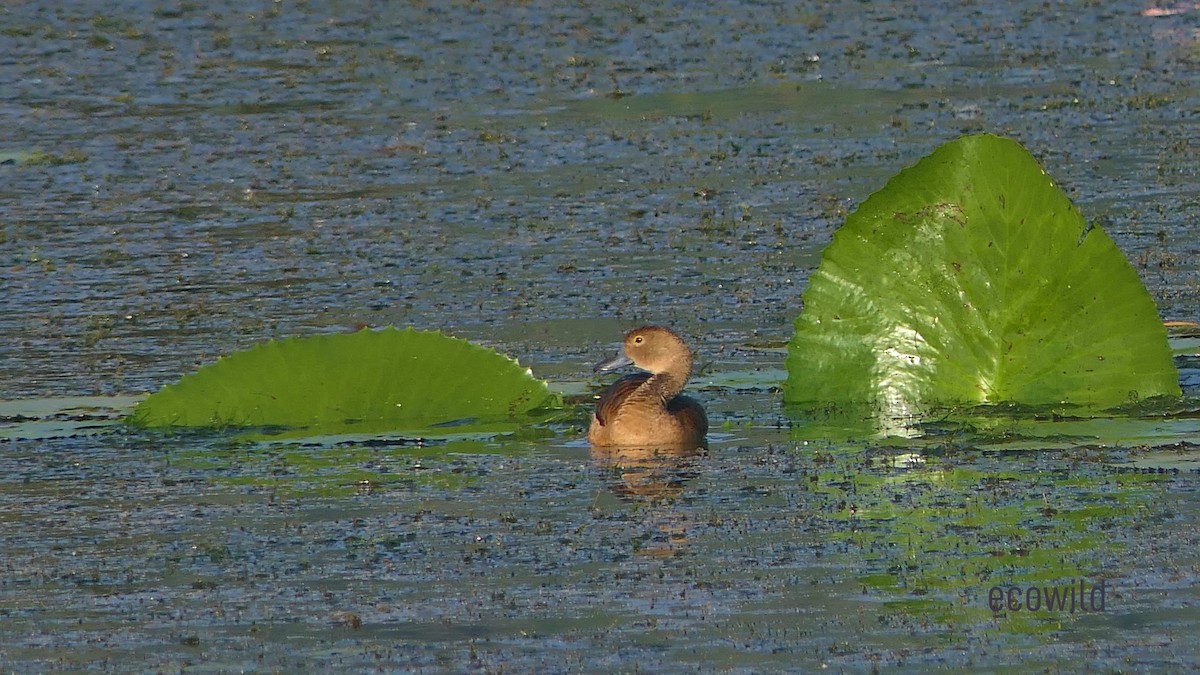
column 606, row 407
column 690, row 412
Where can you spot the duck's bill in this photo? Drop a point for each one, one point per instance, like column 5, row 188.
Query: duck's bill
column 618, row 361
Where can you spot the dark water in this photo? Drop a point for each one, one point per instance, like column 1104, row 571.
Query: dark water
column 182, row 180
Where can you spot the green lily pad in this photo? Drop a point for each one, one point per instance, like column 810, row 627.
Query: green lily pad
column 970, row 278
column 41, row 158
column 368, row 381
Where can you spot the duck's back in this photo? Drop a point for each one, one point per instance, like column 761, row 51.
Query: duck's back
column 623, row 419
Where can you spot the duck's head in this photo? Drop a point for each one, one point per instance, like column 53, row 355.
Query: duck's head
column 654, row 349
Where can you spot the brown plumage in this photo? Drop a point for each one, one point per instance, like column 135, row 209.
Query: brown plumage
column 646, row 409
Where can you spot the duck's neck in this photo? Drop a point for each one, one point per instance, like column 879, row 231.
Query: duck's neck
column 667, row 385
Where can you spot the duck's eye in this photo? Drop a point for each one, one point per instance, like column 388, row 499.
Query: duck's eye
column 638, row 340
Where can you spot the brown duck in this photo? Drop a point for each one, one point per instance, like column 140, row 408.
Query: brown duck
column 646, row 409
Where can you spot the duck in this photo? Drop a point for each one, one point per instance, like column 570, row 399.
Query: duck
column 646, row 409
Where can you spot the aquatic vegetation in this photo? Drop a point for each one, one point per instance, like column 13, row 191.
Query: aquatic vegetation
column 367, row 381
column 971, row 278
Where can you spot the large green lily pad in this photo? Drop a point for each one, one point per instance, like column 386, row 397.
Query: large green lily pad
column 971, row 278
column 372, row 379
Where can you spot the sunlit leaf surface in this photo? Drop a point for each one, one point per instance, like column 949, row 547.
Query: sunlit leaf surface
column 369, row 380
column 971, row 278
